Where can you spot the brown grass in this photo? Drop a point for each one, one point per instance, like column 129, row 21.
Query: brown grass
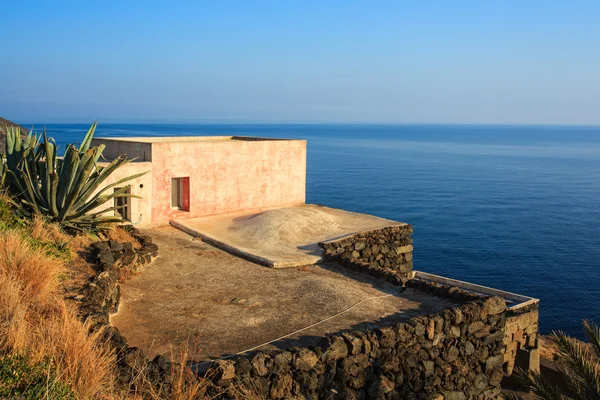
column 51, row 232
column 32, row 271
column 36, row 322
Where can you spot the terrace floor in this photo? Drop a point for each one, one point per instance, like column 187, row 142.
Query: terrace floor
column 197, row 294
column 280, row 237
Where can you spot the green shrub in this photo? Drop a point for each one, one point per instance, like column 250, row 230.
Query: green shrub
column 18, row 378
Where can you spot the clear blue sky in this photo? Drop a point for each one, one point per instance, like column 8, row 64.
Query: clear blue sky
column 522, row 61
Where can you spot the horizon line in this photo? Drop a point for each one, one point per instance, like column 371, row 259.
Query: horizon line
column 80, row 121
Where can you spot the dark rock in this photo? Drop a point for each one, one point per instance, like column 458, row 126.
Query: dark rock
column 281, row 386
column 494, row 362
column 305, row 360
column 360, row 245
column 225, row 369
column 128, row 257
column 480, row 384
column 337, row 349
column 454, row 395
column 381, row 386
column 259, row 366
column 475, row 326
column 105, row 258
column 115, row 246
column 281, row 361
column 134, row 357
column 469, row 348
column 163, row 363
column 387, row 337
column 452, row 354
column 354, row 343
column 419, row 329
column 494, row 305
column 428, row 367
column 243, row 366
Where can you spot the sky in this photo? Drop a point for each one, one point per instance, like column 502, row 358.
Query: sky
column 496, row 62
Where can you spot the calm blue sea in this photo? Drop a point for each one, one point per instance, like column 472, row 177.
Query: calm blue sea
column 512, row 207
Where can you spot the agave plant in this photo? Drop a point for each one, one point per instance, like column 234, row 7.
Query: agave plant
column 578, row 364
column 3, row 169
column 67, row 190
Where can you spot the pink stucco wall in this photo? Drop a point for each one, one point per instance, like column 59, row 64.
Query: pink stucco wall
column 228, row 175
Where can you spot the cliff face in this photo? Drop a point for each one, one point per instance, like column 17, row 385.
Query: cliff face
column 4, row 123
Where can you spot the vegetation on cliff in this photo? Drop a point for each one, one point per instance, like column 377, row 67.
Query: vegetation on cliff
column 68, row 190
column 46, row 350
column 4, row 126
column 579, row 364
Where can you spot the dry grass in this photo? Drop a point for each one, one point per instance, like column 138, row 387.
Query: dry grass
column 48, row 232
column 35, row 321
column 184, row 383
column 51, row 232
column 32, row 271
column 38, row 324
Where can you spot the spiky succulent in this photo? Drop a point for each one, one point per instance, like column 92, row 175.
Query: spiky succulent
column 68, row 189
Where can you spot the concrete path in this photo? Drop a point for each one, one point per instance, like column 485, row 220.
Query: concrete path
column 281, row 237
column 198, row 295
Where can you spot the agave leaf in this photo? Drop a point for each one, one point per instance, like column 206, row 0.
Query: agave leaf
column 53, row 207
column 99, row 200
column 100, row 175
column 87, row 140
column 107, row 187
column 82, row 176
column 69, row 166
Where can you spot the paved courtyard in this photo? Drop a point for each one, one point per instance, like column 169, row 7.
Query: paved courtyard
column 199, row 295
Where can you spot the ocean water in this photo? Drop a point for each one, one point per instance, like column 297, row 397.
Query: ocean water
column 512, row 207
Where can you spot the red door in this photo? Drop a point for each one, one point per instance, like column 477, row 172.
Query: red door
column 185, row 203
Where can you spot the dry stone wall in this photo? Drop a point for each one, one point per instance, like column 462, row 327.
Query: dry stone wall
column 521, row 338
column 385, row 252
column 456, row 354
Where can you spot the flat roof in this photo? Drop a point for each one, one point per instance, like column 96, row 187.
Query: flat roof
column 184, row 139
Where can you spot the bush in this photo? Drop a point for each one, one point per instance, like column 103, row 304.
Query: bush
column 38, row 381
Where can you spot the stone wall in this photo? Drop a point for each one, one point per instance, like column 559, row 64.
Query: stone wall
column 385, row 252
column 455, row 354
column 114, row 262
column 521, row 340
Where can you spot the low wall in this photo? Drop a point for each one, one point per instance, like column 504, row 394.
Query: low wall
column 521, row 340
column 385, row 252
column 454, row 354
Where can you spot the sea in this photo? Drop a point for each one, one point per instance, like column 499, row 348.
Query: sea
column 512, row 207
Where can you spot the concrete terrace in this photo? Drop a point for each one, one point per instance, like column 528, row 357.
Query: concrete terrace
column 282, row 237
column 195, row 292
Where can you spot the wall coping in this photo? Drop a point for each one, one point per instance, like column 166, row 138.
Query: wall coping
column 344, row 237
column 514, row 301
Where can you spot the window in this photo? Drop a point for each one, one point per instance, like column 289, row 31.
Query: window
column 180, row 193
column 123, row 206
